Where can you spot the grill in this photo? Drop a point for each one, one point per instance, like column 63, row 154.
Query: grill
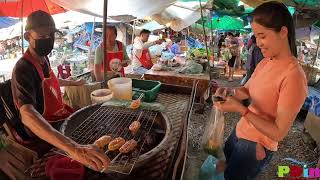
column 155, row 164
column 115, row 121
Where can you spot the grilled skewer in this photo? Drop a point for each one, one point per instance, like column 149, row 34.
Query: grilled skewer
column 102, row 141
column 135, row 104
column 115, row 144
column 135, row 125
column 126, row 148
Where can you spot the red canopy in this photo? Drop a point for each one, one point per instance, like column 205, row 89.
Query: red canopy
column 12, row 8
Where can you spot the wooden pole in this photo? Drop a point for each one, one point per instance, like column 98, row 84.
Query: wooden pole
column 104, row 34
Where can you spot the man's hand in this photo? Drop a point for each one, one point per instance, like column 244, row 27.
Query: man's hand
column 159, row 41
column 90, row 156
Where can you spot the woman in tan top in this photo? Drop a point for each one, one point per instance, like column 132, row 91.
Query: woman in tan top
column 277, row 90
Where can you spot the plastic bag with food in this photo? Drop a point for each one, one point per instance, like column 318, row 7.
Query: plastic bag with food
column 213, row 135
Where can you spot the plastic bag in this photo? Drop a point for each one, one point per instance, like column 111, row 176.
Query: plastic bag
column 213, row 135
column 210, row 169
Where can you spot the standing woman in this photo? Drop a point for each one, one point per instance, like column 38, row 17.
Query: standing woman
column 277, row 90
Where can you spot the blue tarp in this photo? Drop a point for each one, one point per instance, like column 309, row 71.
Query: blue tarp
column 7, row 22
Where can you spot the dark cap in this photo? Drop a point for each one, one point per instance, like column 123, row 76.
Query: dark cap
column 39, row 19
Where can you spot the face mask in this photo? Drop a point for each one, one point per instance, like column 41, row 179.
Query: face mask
column 43, row 46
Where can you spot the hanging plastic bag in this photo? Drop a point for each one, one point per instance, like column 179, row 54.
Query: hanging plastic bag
column 212, row 169
column 213, row 135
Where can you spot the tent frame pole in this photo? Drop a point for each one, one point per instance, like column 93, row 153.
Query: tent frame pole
column 104, row 52
column 205, row 37
column 21, row 18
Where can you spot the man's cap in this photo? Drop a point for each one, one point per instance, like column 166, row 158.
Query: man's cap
column 39, row 19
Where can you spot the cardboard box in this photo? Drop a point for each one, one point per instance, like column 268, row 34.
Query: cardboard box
column 312, row 125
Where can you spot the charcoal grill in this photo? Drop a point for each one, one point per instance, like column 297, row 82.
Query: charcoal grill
column 115, row 121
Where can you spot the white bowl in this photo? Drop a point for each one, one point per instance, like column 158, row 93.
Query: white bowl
column 101, row 95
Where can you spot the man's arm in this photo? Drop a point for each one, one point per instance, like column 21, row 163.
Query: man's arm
column 88, row 155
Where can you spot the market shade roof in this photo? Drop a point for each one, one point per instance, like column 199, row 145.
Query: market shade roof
column 12, row 8
column 225, row 23
column 176, row 14
column 7, row 22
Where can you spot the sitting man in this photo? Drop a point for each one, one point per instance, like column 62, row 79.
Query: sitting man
column 37, row 96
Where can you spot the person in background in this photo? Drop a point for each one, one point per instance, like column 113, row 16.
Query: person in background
column 233, row 45
column 254, row 57
column 277, row 89
column 175, row 48
column 37, row 96
column 141, row 60
column 116, row 59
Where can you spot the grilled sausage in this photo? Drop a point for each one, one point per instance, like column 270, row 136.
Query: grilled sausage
column 116, row 144
column 128, row 146
column 135, row 104
column 102, row 141
column 134, row 127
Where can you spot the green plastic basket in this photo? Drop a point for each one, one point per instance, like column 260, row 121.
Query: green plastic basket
column 149, row 89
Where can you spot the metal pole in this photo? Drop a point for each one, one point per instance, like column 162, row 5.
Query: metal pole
column 205, row 37
column 22, row 46
column 91, row 63
column 132, row 38
column 104, row 33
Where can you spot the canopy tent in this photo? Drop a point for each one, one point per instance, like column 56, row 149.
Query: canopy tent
column 151, row 26
column 22, row 8
column 175, row 14
column 6, row 22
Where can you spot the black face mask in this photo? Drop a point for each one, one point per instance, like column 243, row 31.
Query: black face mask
column 43, row 46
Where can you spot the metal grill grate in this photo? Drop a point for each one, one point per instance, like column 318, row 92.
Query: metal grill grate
column 115, row 121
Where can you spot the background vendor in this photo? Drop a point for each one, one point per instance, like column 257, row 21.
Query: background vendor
column 116, row 59
column 141, row 56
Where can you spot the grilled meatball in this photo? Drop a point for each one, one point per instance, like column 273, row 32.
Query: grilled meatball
column 134, row 127
column 128, row 146
column 116, row 144
column 102, row 141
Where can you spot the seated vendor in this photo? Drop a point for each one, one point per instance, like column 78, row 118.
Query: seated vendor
column 116, row 59
column 141, row 56
column 175, row 48
column 37, row 96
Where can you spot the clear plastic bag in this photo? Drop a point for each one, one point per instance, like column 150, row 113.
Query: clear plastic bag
column 212, row 140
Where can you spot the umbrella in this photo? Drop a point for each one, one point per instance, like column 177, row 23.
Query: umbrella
column 226, row 23
column 22, row 8
column 7, row 22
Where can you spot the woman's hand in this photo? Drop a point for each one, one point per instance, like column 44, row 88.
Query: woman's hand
column 224, row 92
column 230, row 104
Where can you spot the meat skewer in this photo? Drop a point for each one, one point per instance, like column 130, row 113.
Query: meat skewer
column 135, row 104
column 135, row 125
column 102, row 141
column 126, row 148
column 115, row 144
